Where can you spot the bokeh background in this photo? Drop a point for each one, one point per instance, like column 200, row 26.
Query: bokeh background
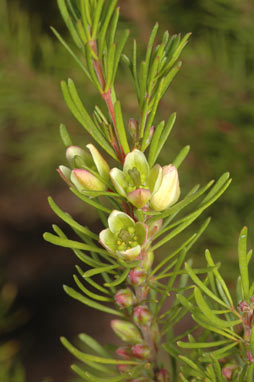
column 213, row 97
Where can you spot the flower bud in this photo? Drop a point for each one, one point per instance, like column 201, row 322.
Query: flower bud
column 154, row 228
column 139, row 197
column 137, row 276
column 142, row 315
column 124, row 352
column 123, row 368
column 124, row 298
column 162, row 376
column 74, row 152
column 65, row 174
column 169, row 190
column 228, row 370
column 133, row 128
column 140, row 351
column 84, row 180
column 100, row 163
column 126, row 331
column 148, row 260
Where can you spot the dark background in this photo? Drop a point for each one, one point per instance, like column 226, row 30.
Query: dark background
column 213, row 97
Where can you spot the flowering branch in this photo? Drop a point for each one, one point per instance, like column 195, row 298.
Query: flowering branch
column 148, row 212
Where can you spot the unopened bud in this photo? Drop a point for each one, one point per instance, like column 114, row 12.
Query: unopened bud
column 162, row 376
column 84, row 180
column 137, row 276
column 124, row 298
column 140, row 351
column 126, row 331
column 151, row 132
column 65, row 174
column 124, row 352
column 148, row 260
column 123, row 368
column 228, row 370
column 154, row 228
column 142, row 315
column 74, row 152
column 247, row 314
column 169, row 190
column 133, row 128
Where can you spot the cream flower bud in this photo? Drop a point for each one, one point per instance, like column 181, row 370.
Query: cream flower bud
column 169, row 190
column 84, row 180
column 127, row 331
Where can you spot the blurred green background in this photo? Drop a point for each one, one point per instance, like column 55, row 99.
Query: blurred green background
column 213, row 97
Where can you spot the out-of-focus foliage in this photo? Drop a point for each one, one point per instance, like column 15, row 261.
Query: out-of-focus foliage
column 11, row 369
column 214, row 98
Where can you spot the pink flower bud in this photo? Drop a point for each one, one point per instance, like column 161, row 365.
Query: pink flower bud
column 142, row 315
column 228, row 370
column 124, row 352
column 123, row 368
column 140, row 351
column 162, row 376
column 124, row 298
column 137, row 276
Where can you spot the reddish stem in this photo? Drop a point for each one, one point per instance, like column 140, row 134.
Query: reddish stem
column 108, row 99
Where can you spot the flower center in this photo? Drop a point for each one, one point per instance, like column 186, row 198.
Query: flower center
column 126, row 239
column 137, row 180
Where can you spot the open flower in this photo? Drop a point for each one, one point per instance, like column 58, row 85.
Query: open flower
column 124, row 238
column 141, row 185
column 90, row 171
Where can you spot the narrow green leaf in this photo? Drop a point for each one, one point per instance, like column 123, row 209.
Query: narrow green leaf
column 121, row 127
column 171, row 255
column 181, row 156
column 155, row 142
column 104, row 27
column 201, row 345
column 164, row 136
column 93, row 296
column 243, row 262
column 219, row 279
column 83, row 117
column 176, row 231
column 68, row 21
column 64, row 43
column 53, row 239
column 93, row 344
column 96, row 271
column 113, row 27
column 69, row 220
column 96, row 18
column 250, row 373
column 192, row 364
column 119, row 49
column 170, row 76
column 120, row 279
column 134, row 70
column 203, row 306
column 90, row 201
column 89, row 357
column 220, row 182
column 65, row 136
column 202, row 286
column 110, row 66
column 220, row 353
column 91, row 378
column 92, row 304
column 150, row 44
